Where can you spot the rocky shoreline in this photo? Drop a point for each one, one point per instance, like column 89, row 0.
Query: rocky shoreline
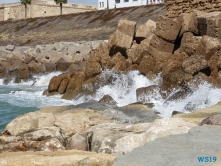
column 185, row 50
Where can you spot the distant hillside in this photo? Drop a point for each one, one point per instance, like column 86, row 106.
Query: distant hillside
column 94, row 25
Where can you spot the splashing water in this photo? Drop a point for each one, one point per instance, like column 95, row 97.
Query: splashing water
column 123, row 91
column 120, row 86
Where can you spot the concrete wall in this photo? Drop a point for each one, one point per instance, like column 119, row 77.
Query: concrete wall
column 176, row 7
column 102, row 4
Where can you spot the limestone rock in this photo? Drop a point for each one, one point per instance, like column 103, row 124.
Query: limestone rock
column 200, row 114
column 194, row 64
column 146, row 94
column 78, row 142
column 161, row 44
column 189, row 23
column 22, row 123
column 175, row 79
column 62, row 65
column 146, row 30
column 36, row 68
column 212, row 120
column 63, row 85
column 172, row 149
column 123, row 37
column 74, row 86
column 108, row 99
column 167, row 28
column 121, row 139
column 58, row 158
column 190, row 44
column 147, row 64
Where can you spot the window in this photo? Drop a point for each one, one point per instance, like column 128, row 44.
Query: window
column 102, row 4
column 117, row 1
column 126, row 0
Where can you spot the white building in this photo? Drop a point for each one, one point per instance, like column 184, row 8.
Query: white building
column 104, row 4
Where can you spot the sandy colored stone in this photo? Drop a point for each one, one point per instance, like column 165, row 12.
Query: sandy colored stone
column 200, row 114
column 59, row 158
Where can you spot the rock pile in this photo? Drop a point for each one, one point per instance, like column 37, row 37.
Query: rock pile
column 21, row 63
column 96, row 127
column 182, row 49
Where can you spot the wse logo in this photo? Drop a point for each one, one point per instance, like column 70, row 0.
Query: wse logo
column 207, row 159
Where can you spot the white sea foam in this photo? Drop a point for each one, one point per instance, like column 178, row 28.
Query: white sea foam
column 122, row 89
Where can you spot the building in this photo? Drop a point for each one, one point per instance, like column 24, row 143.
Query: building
column 104, row 4
column 40, row 8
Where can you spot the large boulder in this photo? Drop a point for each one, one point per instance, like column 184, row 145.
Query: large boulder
column 15, row 61
column 36, row 68
column 3, row 66
column 175, row 79
column 50, row 67
column 209, row 46
column 57, row 84
column 167, row 28
column 212, row 120
column 136, row 54
column 24, row 71
column 147, row 94
column 62, row 65
column 144, row 31
column 78, row 142
column 120, row 139
column 176, row 149
column 161, row 44
column 122, row 39
column 117, row 62
column 189, row 23
column 213, row 27
column 200, row 114
column 190, row 44
column 63, row 85
column 147, row 64
column 194, row 64
column 108, row 100
column 74, row 86
column 22, row 124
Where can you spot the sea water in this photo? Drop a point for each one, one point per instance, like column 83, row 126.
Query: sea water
column 17, row 99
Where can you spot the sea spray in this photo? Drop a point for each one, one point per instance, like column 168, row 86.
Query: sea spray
column 17, row 99
column 122, row 88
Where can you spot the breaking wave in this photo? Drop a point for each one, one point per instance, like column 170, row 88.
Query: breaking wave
column 122, row 88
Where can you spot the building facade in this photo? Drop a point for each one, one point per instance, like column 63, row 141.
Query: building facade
column 104, row 4
column 40, row 8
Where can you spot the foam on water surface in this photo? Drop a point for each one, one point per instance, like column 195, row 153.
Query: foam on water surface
column 122, row 89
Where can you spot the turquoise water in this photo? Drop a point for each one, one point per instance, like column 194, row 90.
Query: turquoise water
column 18, row 99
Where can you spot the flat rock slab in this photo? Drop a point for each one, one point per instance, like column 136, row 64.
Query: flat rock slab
column 128, row 114
column 59, row 158
column 182, row 149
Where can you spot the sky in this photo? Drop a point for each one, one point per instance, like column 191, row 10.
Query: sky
column 89, row 2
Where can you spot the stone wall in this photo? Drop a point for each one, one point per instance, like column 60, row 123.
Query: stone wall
column 176, row 7
column 40, row 9
column 1, row 13
column 18, row 12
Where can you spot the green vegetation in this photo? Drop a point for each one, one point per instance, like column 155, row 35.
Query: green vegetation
column 68, row 28
column 61, row 2
column 26, row 2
